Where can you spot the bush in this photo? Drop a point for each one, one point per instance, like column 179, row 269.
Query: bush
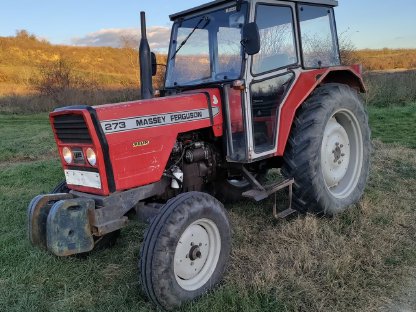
column 387, row 89
column 57, row 79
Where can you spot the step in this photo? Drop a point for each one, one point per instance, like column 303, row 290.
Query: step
column 259, row 195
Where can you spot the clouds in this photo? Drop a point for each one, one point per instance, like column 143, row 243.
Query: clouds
column 158, row 36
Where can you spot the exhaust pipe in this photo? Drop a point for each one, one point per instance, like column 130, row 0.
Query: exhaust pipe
column 145, row 62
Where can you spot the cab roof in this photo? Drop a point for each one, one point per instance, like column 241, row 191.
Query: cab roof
column 208, row 5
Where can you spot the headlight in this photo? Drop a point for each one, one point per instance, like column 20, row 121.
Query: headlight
column 67, row 154
column 91, row 157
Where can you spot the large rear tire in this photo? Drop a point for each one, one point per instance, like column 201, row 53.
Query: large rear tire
column 185, row 250
column 328, row 152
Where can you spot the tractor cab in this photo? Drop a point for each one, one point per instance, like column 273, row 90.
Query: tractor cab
column 254, row 51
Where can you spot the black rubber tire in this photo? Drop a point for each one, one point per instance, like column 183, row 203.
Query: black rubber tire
column 156, row 262
column 302, row 156
column 61, row 188
column 106, row 241
column 228, row 193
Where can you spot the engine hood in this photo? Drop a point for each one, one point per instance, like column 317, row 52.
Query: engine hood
column 141, row 134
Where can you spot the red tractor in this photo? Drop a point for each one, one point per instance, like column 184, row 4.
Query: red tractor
column 250, row 85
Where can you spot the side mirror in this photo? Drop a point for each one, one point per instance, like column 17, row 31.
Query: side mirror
column 154, row 63
column 251, row 38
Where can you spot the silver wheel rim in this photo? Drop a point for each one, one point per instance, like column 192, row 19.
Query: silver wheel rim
column 239, row 183
column 342, row 153
column 197, row 254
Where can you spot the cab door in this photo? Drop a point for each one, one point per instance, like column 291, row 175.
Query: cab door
column 270, row 74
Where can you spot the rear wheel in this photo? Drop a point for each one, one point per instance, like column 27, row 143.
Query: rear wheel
column 328, row 152
column 185, row 250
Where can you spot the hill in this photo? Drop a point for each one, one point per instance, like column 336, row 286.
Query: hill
column 22, row 58
column 38, row 76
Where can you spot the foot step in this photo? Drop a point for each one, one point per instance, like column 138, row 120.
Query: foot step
column 259, row 195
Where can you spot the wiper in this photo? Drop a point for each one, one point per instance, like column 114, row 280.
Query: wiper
column 205, row 18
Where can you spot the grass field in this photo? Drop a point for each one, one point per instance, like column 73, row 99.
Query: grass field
column 351, row 263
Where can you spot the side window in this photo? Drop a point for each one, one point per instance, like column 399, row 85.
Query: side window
column 318, row 35
column 229, row 52
column 277, row 38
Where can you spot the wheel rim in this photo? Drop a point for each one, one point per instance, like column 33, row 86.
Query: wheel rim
column 197, row 254
column 239, row 183
column 342, row 153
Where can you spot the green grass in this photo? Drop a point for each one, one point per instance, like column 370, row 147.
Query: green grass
column 33, row 280
column 394, row 125
column 25, row 138
column 306, row 264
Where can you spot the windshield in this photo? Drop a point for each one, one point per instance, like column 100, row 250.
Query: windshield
column 207, row 48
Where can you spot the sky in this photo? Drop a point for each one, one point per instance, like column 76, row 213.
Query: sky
column 373, row 24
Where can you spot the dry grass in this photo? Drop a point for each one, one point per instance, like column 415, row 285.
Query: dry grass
column 356, row 262
column 349, row 263
column 387, row 59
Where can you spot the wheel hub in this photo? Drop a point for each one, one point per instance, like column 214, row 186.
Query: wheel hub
column 342, row 153
column 191, row 252
column 196, row 254
column 335, row 154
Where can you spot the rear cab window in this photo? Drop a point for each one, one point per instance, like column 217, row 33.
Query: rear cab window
column 318, row 36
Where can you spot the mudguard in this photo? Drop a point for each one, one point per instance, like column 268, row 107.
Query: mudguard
column 68, row 230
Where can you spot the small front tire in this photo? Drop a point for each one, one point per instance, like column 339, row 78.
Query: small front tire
column 185, row 250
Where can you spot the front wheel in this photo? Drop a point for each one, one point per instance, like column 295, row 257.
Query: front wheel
column 185, row 250
column 328, row 152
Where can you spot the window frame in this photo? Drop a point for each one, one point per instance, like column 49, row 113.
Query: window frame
column 295, row 39
column 336, row 41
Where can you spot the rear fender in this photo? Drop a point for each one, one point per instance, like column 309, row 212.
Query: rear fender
column 306, row 83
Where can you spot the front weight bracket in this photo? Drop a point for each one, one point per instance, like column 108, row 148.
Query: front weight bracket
column 68, row 229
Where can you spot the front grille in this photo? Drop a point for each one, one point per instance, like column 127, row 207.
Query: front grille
column 71, row 129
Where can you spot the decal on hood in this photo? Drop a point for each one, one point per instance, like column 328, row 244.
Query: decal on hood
column 165, row 119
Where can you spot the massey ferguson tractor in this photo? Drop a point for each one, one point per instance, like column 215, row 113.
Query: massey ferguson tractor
column 250, row 85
